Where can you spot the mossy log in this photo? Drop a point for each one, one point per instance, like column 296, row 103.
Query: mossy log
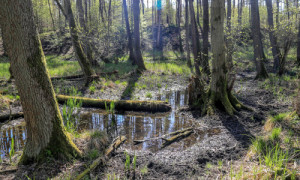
column 126, row 105
column 81, row 76
column 6, row 117
column 176, row 138
column 163, row 136
column 117, row 143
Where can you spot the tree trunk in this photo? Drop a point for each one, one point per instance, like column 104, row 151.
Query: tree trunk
column 45, row 131
column 229, row 39
column 195, row 39
column 275, row 50
column 187, row 34
column 52, row 20
column 178, row 26
column 130, row 46
column 218, row 85
column 81, row 56
column 298, row 44
column 257, row 45
column 87, row 43
column 205, row 35
column 137, row 45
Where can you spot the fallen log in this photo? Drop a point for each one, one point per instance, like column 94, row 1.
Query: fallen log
column 125, row 105
column 120, row 140
column 176, row 138
column 163, row 136
column 6, row 117
column 81, row 76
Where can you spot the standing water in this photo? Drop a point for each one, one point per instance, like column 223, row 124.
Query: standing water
column 135, row 126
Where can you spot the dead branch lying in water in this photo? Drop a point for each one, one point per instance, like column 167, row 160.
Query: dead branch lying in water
column 174, row 136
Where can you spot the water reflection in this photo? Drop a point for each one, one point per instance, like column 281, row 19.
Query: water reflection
column 136, row 126
column 18, row 133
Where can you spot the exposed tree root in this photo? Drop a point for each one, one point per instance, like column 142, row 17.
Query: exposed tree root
column 207, row 101
column 126, row 105
column 117, row 143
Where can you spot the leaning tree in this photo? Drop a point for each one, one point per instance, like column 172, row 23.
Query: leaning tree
column 45, row 131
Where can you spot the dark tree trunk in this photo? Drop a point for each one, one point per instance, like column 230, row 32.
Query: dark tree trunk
column 187, row 33
column 45, row 131
column 229, row 38
column 81, row 56
column 205, row 35
column 178, row 26
column 195, row 39
column 257, row 45
column 137, row 45
column 298, row 44
column 275, row 50
column 130, row 46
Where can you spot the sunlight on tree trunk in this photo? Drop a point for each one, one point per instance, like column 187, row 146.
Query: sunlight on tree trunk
column 45, row 131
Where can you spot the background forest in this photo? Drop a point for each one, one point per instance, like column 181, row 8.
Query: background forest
column 149, row 89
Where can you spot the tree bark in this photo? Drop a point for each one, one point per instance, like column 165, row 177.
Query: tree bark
column 257, row 45
column 45, row 131
column 205, row 35
column 87, row 43
column 229, row 38
column 137, row 51
column 130, row 46
column 275, row 50
column 178, row 26
column 218, row 84
column 298, row 44
column 187, row 34
column 81, row 56
column 195, row 39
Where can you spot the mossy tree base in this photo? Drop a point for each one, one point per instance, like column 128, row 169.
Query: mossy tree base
column 203, row 98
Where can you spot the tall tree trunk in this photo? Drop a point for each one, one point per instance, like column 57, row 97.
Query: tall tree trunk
column 187, row 33
column 137, row 44
column 277, row 12
column 275, row 50
column 45, row 131
column 178, row 26
column 229, row 38
column 81, row 56
column 240, row 12
column 158, row 30
column 87, row 44
column 219, row 94
column 257, row 45
column 298, row 44
column 205, row 35
column 130, row 46
column 52, row 20
column 195, row 39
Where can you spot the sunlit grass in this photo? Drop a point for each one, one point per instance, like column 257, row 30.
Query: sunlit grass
column 169, row 68
column 59, row 67
column 56, row 67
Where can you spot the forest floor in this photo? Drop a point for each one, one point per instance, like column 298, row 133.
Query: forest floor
column 221, row 149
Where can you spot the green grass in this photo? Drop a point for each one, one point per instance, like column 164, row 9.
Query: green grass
column 169, row 68
column 275, row 134
column 4, row 66
column 59, row 67
column 56, row 67
column 280, row 117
